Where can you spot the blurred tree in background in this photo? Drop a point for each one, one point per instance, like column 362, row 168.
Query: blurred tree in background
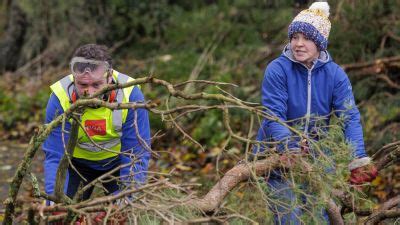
column 230, row 41
column 176, row 40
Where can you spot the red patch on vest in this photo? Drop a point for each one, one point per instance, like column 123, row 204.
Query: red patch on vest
column 95, row 127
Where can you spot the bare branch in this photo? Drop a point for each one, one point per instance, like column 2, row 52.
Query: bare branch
column 234, row 176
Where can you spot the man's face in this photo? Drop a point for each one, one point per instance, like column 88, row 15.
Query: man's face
column 89, row 75
column 304, row 50
column 88, row 84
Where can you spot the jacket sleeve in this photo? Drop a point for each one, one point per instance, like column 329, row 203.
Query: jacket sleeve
column 345, row 108
column 136, row 140
column 53, row 147
column 274, row 96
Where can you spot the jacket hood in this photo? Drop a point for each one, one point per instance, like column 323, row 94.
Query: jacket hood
column 323, row 58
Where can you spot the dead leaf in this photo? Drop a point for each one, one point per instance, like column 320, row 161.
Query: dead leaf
column 184, row 168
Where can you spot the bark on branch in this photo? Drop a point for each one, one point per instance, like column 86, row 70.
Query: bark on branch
column 242, row 172
column 231, row 179
column 215, row 196
column 370, row 64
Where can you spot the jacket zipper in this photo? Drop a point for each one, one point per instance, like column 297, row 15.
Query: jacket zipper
column 308, row 114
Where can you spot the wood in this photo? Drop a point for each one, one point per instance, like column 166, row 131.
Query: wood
column 12, row 42
column 212, row 200
column 64, row 163
column 231, row 179
column 242, row 172
column 335, row 217
column 371, row 65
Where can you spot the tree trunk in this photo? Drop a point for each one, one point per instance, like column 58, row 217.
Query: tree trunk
column 11, row 44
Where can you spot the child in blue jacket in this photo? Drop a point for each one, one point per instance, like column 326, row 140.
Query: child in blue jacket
column 304, row 82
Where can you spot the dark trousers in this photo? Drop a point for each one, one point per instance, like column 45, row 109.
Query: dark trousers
column 75, row 180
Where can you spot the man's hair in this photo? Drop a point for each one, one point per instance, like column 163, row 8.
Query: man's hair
column 94, row 51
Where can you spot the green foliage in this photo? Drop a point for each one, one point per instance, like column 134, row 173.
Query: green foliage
column 327, row 163
column 62, row 26
column 237, row 38
column 257, row 210
column 380, row 121
column 149, row 219
column 231, row 44
column 358, row 32
column 20, row 107
column 234, row 41
column 211, row 120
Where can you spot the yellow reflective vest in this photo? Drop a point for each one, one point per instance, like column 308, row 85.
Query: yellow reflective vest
column 103, row 125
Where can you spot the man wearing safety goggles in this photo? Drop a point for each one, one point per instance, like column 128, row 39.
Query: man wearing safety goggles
column 119, row 131
column 90, row 75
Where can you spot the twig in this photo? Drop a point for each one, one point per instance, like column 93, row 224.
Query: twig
column 34, row 144
column 389, row 82
column 203, row 82
column 182, row 130
column 63, row 165
column 361, row 65
column 122, row 42
column 380, row 215
column 80, row 192
column 201, row 62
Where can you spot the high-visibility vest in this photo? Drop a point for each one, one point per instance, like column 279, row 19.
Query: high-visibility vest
column 103, row 125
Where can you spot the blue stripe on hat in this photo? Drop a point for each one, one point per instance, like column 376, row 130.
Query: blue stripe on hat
column 310, row 32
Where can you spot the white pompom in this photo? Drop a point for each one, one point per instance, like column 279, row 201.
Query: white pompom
column 323, row 6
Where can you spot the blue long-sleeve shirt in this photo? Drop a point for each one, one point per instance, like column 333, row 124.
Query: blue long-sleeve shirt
column 130, row 142
column 292, row 92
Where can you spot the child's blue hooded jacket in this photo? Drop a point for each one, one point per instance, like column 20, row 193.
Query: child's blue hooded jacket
column 305, row 98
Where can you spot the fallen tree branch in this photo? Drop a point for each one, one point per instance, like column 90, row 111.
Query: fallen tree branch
column 380, row 215
column 64, row 163
column 389, row 81
column 387, row 159
column 335, row 217
column 363, row 65
column 242, row 172
column 231, row 179
column 213, row 199
column 39, row 136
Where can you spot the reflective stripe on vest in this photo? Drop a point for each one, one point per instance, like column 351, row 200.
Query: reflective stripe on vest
column 104, row 144
column 117, row 114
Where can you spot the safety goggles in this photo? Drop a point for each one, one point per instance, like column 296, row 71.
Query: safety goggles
column 80, row 66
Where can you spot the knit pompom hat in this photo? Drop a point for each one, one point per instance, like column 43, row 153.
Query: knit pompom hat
column 313, row 23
